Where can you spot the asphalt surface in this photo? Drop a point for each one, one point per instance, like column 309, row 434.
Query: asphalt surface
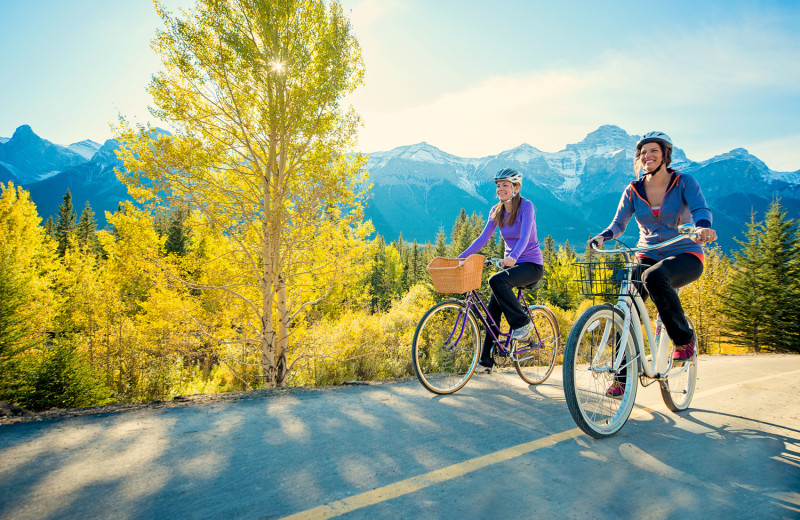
column 496, row 449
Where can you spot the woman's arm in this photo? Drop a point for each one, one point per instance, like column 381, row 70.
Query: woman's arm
column 623, row 215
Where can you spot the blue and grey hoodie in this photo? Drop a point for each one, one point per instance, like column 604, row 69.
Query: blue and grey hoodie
column 683, row 203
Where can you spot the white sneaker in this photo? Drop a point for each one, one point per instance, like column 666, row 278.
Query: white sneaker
column 524, row 334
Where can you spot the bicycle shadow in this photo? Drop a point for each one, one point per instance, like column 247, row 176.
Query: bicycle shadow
column 736, row 443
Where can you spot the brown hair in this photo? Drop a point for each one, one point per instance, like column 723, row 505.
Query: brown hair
column 665, row 152
column 498, row 213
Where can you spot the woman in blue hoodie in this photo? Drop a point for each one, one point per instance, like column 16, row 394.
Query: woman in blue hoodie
column 516, row 219
column 662, row 199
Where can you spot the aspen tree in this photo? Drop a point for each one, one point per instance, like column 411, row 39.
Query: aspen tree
column 252, row 90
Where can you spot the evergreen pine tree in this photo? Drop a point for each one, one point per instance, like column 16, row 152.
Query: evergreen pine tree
column 779, row 254
column 441, row 243
column 177, row 234
column 499, row 248
column 417, row 265
column 65, row 224
column 745, row 294
column 48, row 226
column 86, row 230
column 549, row 253
column 461, row 221
column 377, row 287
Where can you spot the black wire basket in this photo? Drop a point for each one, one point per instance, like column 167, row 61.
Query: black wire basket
column 604, row 278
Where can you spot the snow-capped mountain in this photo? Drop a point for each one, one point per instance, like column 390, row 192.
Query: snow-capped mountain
column 86, row 148
column 418, row 189
column 575, row 190
column 29, row 158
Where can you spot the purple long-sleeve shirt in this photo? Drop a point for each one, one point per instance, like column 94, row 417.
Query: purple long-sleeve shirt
column 520, row 237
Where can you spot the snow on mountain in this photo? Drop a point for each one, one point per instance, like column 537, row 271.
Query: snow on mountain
column 740, row 154
column 16, row 172
column 420, row 152
column 35, row 158
column 86, row 148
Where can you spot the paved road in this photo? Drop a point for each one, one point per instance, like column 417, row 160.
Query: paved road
column 498, row 448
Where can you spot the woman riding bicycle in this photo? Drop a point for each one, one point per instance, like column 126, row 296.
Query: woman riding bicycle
column 516, row 219
column 662, row 199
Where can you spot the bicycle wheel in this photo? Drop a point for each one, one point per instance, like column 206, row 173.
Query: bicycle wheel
column 677, row 389
column 588, row 361
column 535, row 361
column 445, row 347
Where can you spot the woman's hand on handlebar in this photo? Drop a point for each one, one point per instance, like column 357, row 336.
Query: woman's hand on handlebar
column 597, row 239
column 704, row 235
column 508, row 262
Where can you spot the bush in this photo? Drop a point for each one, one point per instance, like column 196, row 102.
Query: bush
column 58, row 378
column 359, row 346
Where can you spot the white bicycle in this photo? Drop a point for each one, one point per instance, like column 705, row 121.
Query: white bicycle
column 606, row 346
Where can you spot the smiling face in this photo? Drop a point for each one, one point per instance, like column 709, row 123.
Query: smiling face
column 651, row 156
column 506, row 190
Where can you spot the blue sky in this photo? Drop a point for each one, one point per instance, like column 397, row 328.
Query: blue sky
column 473, row 78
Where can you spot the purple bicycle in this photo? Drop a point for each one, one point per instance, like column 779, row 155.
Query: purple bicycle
column 447, row 340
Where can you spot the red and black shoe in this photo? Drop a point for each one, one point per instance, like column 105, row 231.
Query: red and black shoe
column 616, row 391
column 683, row 353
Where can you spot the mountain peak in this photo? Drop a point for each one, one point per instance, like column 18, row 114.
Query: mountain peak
column 607, row 138
column 24, row 133
column 86, row 148
column 422, row 152
column 34, row 158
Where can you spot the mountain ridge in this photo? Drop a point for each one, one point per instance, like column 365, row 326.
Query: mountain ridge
column 575, row 190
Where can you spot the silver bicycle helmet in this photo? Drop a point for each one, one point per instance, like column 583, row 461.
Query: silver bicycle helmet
column 508, row 174
column 654, row 137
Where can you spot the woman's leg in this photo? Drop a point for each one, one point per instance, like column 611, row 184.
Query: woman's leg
column 503, row 284
column 661, row 281
column 488, row 341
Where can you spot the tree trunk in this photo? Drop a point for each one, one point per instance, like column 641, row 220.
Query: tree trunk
column 282, row 342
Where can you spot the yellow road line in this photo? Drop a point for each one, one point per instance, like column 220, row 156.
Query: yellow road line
column 410, row 485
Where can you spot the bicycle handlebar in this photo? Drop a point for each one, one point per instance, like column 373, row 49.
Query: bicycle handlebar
column 685, row 230
column 497, row 262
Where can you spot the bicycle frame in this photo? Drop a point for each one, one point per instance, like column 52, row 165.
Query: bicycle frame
column 636, row 318
column 474, row 300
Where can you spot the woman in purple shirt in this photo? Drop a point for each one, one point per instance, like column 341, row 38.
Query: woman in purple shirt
column 516, row 219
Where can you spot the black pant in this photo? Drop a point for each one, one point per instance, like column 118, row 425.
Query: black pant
column 661, row 279
column 504, row 300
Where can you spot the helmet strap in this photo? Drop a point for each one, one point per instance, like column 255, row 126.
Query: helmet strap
column 646, row 173
column 509, row 200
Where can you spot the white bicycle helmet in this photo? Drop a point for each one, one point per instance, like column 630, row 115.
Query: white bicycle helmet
column 663, row 141
column 654, row 137
column 508, row 174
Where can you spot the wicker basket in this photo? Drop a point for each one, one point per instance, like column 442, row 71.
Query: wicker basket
column 454, row 275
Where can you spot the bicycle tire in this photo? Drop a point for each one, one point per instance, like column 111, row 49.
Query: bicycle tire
column 586, row 375
column 535, row 361
column 677, row 389
column 445, row 348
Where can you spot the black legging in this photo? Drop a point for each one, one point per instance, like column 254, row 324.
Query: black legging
column 504, row 300
column 660, row 281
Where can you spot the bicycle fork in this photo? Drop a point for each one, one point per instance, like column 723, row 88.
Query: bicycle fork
column 460, row 325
